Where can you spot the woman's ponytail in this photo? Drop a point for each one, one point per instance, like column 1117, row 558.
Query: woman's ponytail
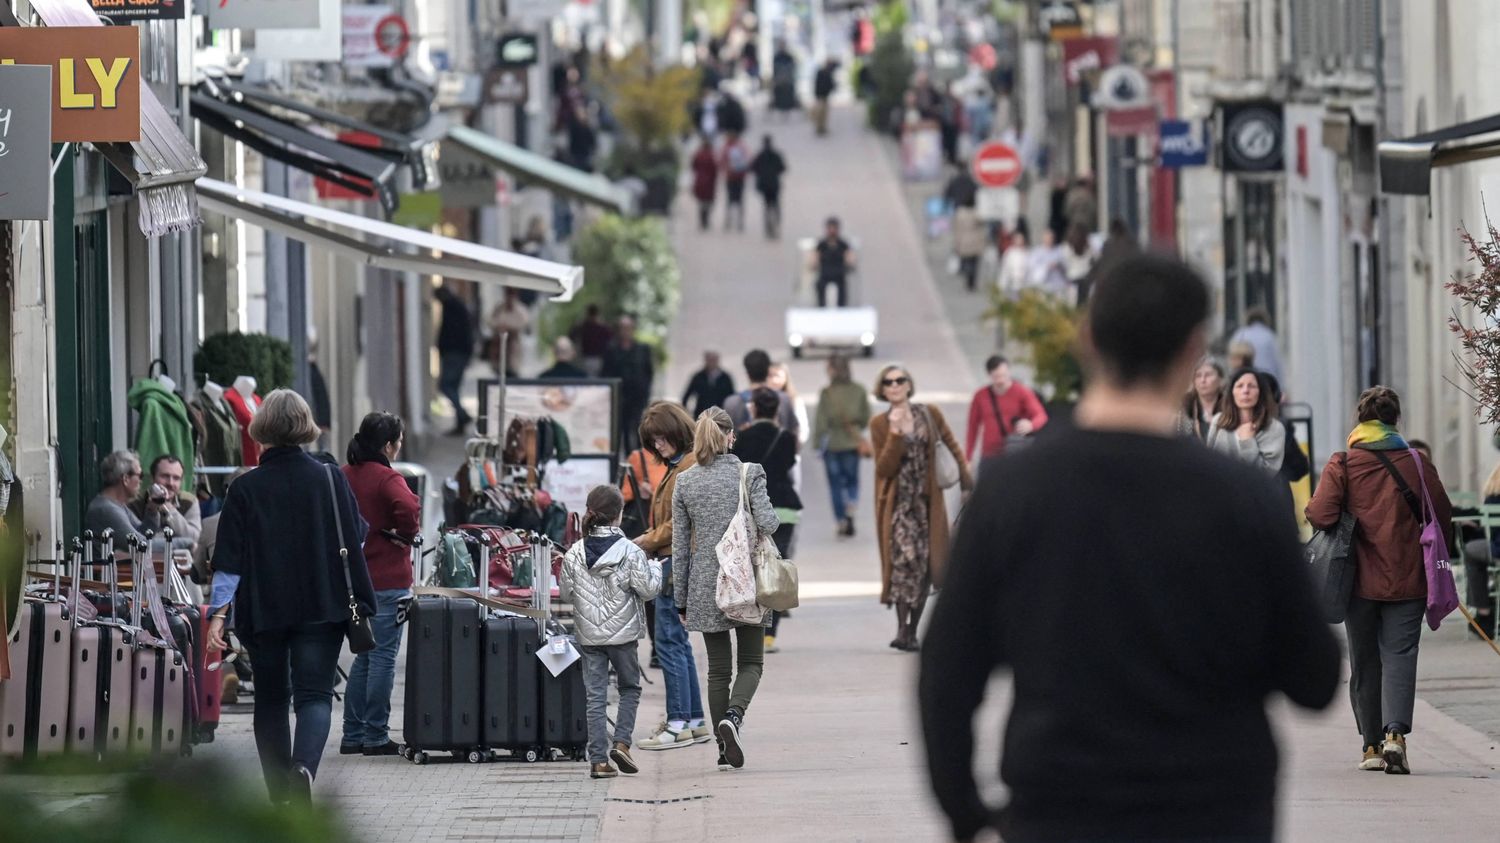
column 711, row 435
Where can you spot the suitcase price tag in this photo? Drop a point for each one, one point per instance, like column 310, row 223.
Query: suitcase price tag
column 559, row 644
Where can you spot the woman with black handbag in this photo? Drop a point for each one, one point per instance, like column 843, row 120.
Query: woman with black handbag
column 290, row 556
column 764, row 443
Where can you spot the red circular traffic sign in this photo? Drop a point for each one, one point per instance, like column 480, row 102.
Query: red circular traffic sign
column 392, row 37
column 996, row 165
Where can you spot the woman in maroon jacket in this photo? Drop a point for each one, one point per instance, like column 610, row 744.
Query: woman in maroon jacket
column 1379, row 482
column 395, row 517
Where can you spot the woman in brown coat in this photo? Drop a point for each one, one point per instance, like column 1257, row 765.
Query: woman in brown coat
column 912, row 518
column 1379, row 481
column 667, row 433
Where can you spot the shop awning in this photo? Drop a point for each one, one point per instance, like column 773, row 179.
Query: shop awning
column 539, row 169
column 1406, row 164
column 387, row 245
column 360, row 170
column 413, row 151
column 163, row 164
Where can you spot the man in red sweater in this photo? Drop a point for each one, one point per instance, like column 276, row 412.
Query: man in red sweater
column 1001, row 409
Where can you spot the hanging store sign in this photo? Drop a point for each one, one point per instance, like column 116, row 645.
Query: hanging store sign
column 1122, row 86
column 518, row 49
column 374, row 36
column 1060, row 19
column 133, row 10
column 25, row 142
column 468, row 180
column 1130, row 122
column 1253, row 137
column 96, row 77
column 1083, row 57
column 1183, row 144
column 259, row 14
column 507, row 86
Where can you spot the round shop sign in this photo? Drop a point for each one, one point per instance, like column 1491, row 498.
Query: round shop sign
column 392, row 37
column 1252, row 139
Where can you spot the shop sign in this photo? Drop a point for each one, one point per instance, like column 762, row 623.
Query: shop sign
column 322, row 41
column 1253, row 137
column 96, row 77
column 1085, row 56
column 468, row 180
column 517, row 49
column 1122, row 86
column 374, row 36
column 258, row 14
column 133, row 10
column 1183, row 144
column 25, row 142
column 1060, row 19
column 507, row 86
column 1130, row 122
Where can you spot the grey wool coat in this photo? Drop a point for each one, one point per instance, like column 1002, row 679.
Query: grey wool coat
column 703, row 504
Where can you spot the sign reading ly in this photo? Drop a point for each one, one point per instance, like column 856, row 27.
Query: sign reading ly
column 96, row 78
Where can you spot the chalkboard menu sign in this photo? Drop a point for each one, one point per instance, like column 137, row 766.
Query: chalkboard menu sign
column 25, row 142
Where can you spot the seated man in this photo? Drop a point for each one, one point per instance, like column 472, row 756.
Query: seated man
column 163, row 503
column 120, row 472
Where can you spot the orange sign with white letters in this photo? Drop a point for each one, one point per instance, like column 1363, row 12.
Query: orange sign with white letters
column 96, row 77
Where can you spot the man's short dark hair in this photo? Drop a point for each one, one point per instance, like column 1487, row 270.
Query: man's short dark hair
column 766, row 401
column 757, row 366
column 156, row 463
column 995, row 362
column 1142, row 314
column 833, row 221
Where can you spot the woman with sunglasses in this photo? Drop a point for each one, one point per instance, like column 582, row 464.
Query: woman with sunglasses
column 912, row 517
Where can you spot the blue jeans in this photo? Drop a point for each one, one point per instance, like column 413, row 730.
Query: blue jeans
column 293, row 666
column 843, row 481
column 451, row 368
column 367, row 700
column 596, row 664
column 675, row 652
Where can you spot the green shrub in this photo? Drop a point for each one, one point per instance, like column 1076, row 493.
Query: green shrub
column 629, row 267
column 1048, row 327
column 224, row 357
column 890, row 75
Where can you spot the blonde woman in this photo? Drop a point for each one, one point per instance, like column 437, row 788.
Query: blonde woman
column 911, row 515
column 705, row 501
column 781, row 378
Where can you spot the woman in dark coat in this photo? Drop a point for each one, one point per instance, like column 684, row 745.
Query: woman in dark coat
column 277, row 558
column 705, row 180
column 764, row 443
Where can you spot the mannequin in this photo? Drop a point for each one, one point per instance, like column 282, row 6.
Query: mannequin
column 244, row 402
column 213, row 391
column 245, row 386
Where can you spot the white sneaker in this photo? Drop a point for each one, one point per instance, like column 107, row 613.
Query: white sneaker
column 701, row 732
column 666, row 737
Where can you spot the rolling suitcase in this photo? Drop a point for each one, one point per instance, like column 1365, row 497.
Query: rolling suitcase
column 158, row 702
column 34, row 701
column 208, row 681
column 99, row 714
column 442, row 678
column 564, row 703
column 511, row 710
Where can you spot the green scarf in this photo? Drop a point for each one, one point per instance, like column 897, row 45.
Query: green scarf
column 1376, row 436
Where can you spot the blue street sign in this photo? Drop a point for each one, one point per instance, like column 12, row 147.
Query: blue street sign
column 1184, row 143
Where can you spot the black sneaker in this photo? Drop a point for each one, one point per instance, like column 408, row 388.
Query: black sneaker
column 723, row 762
column 849, row 527
column 350, row 749
column 729, row 734
column 387, row 748
column 299, row 788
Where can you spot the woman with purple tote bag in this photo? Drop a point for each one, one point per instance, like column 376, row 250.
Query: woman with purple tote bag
column 1402, row 575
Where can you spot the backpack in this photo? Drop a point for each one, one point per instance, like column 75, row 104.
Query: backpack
column 738, row 158
column 455, row 564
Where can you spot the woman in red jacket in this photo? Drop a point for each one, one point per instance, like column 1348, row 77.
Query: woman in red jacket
column 705, row 180
column 395, row 517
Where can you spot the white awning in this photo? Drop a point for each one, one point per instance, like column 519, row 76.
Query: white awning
column 386, row 245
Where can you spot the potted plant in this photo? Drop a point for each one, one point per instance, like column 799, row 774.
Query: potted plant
column 652, row 109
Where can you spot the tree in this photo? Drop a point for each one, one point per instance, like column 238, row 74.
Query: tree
column 1477, row 323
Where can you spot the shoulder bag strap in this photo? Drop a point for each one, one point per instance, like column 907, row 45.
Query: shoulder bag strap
column 1422, row 479
column 995, row 405
column 338, row 522
column 1406, row 492
column 771, row 447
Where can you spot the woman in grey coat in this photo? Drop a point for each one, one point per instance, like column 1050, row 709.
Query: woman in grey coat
column 705, row 501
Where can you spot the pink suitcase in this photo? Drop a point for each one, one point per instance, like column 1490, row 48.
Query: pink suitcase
column 99, row 715
column 34, row 701
column 158, row 699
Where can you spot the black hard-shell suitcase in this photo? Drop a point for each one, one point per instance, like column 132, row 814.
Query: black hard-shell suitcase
column 443, row 678
column 511, row 685
column 565, row 723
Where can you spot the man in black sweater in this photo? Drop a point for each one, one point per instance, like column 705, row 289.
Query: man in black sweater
column 710, row 385
column 1150, row 722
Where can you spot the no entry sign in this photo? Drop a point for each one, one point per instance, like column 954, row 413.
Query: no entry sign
column 996, row 165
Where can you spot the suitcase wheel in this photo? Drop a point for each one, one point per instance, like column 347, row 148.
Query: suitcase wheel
column 475, row 756
column 408, row 753
column 578, row 755
column 533, row 755
column 419, row 758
